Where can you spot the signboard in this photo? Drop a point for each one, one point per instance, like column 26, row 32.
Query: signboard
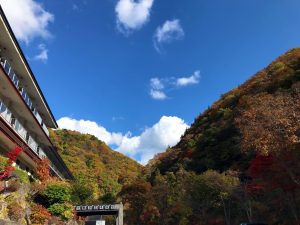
column 87, row 210
column 100, row 222
column 96, row 208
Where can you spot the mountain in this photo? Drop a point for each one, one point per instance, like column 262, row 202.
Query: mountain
column 92, row 160
column 216, row 139
column 237, row 163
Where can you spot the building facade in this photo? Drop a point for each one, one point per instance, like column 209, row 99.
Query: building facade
column 24, row 113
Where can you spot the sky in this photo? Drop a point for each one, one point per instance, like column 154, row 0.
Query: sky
column 136, row 73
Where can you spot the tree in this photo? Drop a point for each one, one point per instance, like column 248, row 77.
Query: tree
column 135, row 197
column 12, row 157
column 226, row 184
column 43, row 170
column 270, row 123
column 270, row 127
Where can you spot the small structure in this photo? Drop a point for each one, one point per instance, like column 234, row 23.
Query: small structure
column 94, row 213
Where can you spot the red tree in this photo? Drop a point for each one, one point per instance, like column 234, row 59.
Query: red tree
column 12, row 157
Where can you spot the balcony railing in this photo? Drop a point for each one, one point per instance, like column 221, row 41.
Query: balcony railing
column 19, row 128
column 45, row 129
column 53, row 167
column 11, row 74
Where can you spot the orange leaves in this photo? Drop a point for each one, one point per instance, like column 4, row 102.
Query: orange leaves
column 270, row 123
column 43, row 170
column 39, row 214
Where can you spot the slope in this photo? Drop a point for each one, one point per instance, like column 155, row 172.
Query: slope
column 91, row 160
column 218, row 137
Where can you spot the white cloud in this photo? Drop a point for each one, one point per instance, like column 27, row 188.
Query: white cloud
column 171, row 30
column 27, row 18
column 43, row 55
column 90, row 127
column 160, row 86
column 132, row 14
column 193, row 79
column 156, row 83
column 166, row 132
column 153, row 140
column 158, row 95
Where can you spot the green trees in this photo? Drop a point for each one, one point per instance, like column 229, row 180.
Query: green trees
column 57, row 197
column 57, row 193
column 183, row 198
column 225, row 185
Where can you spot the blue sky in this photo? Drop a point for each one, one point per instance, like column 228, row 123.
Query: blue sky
column 137, row 73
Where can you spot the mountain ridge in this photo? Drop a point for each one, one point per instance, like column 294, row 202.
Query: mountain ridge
column 280, row 75
column 87, row 156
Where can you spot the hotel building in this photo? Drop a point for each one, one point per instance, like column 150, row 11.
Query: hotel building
column 25, row 115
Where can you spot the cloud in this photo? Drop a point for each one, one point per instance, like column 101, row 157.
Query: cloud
column 90, row 127
column 132, row 15
column 160, row 86
column 117, row 118
column 156, row 83
column 43, row 55
column 193, row 79
column 27, row 18
column 156, row 91
column 158, row 95
column 171, row 30
column 166, row 132
column 75, row 7
column 153, row 140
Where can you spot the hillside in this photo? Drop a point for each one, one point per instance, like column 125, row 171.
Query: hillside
column 216, row 139
column 92, row 160
column 238, row 162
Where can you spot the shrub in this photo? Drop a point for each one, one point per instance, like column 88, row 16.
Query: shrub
column 57, row 193
column 81, row 193
column 3, row 162
column 64, row 210
column 55, row 221
column 22, row 175
column 15, row 211
column 39, row 214
column 13, row 186
column 108, row 198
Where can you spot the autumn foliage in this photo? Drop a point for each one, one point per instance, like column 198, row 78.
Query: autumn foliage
column 253, row 131
column 43, row 170
column 12, row 157
column 39, row 214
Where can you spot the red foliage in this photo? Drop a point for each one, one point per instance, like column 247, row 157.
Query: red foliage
column 189, row 153
column 12, row 157
column 273, row 172
column 260, row 165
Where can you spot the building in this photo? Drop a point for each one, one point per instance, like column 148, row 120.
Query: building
column 24, row 113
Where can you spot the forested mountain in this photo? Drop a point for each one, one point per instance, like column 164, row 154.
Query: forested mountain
column 92, row 161
column 224, row 136
column 238, row 162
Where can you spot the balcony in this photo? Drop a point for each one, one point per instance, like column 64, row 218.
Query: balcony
column 13, row 77
column 53, row 167
column 6, row 114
